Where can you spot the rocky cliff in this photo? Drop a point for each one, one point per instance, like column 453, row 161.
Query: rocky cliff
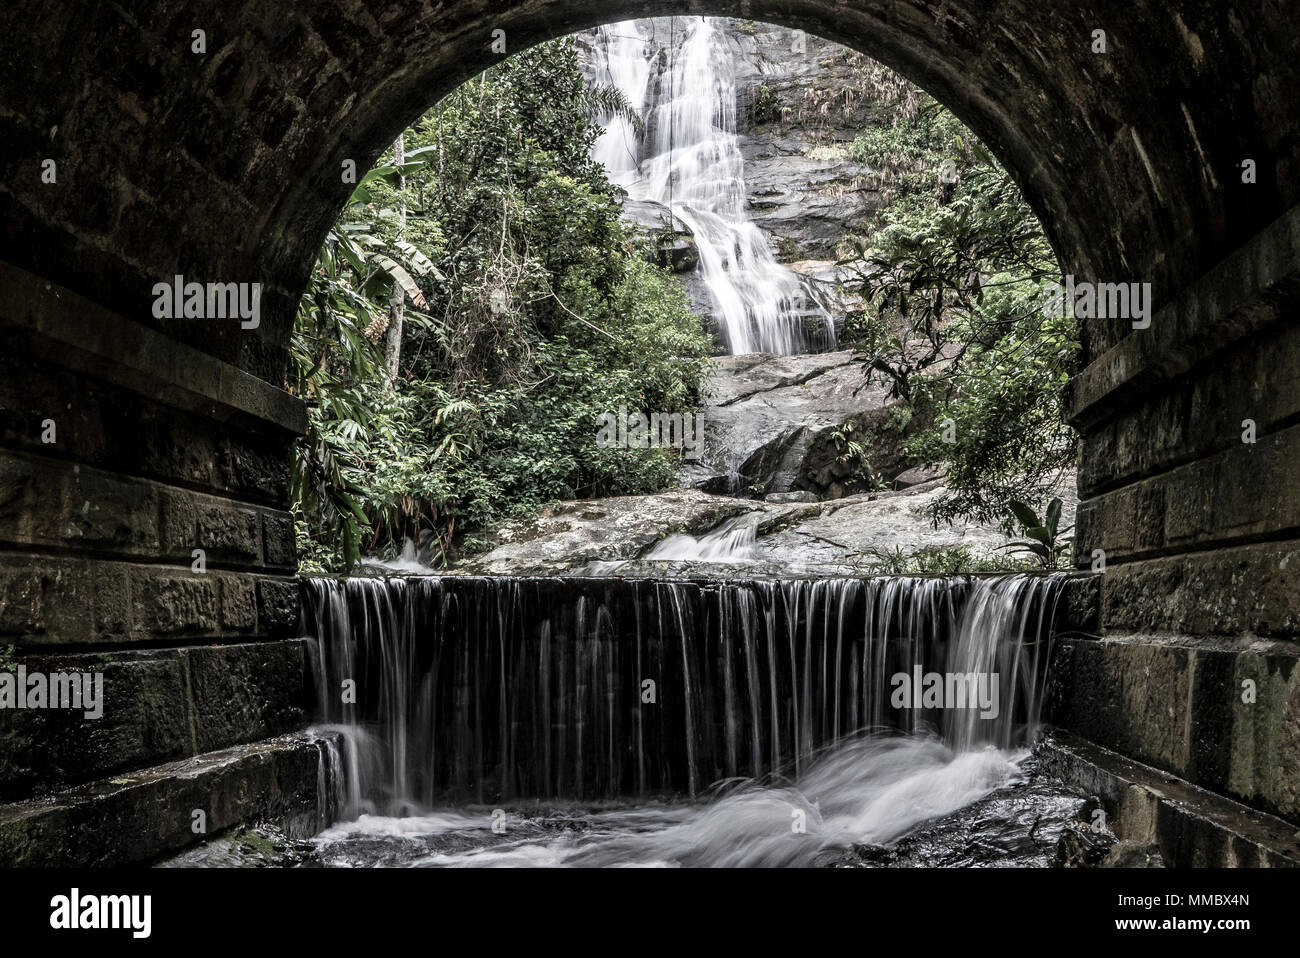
column 801, row 100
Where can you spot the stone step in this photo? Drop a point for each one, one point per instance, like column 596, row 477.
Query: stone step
column 141, row 816
column 1221, row 713
column 159, row 705
column 1192, row 827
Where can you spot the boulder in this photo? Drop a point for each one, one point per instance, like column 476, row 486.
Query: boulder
column 864, row 534
column 777, row 424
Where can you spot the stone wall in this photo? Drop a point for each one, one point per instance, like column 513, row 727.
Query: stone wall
column 122, row 452
column 1190, row 494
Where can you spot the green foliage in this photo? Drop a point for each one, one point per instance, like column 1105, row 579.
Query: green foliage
column 949, row 560
column 537, row 313
column 1044, row 540
column 336, row 359
column 953, row 284
column 764, row 107
column 853, row 453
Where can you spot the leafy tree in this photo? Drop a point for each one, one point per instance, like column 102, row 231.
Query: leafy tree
column 954, row 286
column 532, row 311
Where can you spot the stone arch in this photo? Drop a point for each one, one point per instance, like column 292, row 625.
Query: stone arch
column 223, row 166
column 225, row 163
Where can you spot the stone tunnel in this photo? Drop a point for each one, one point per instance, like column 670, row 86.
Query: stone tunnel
column 127, row 442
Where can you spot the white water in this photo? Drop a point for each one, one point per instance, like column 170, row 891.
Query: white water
column 733, row 541
column 870, row 791
column 847, row 783
column 413, row 558
column 690, row 161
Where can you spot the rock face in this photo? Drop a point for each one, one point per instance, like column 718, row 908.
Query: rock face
column 688, row 532
column 798, row 104
column 801, row 101
column 778, row 424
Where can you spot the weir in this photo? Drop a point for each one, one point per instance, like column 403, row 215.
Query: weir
column 491, row 689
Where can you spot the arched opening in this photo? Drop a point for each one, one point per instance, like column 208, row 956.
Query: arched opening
column 603, row 189
column 868, row 278
column 144, row 151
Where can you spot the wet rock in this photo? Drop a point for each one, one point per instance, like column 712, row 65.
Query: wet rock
column 865, row 854
column 1082, row 846
column 1018, row 825
column 672, row 243
column 1134, row 855
column 799, row 496
column 572, row 534
column 258, row 846
column 857, row 535
column 783, row 423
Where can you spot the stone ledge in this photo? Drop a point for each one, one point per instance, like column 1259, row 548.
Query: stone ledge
column 1193, row 828
column 79, row 334
column 1252, row 589
column 44, row 504
column 1259, row 380
column 1242, row 294
column 158, row 705
column 51, row 601
column 144, row 816
column 119, row 431
column 1251, row 492
column 1176, row 703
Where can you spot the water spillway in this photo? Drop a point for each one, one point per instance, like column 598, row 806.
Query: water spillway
column 467, row 689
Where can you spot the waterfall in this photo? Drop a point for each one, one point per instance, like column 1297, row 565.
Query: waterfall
column 733, row 541
column 490, row 689
column 677, row 72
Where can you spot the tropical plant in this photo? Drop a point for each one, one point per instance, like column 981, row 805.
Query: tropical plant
column 1044, row 541
column 528, row 310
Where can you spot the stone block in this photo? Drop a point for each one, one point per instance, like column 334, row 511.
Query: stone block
column 279, row 546
column 1184, row 705
column 278, row 606
column 228, row 533
column 172, row 603
column 158, row 705
column 1252, row 589
column 238, row 603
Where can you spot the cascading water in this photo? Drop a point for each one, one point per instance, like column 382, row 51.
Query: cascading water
column 496, row 690
column 732, row 541
column 677, row 72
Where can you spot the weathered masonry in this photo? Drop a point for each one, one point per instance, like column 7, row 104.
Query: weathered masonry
column 128, row 442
